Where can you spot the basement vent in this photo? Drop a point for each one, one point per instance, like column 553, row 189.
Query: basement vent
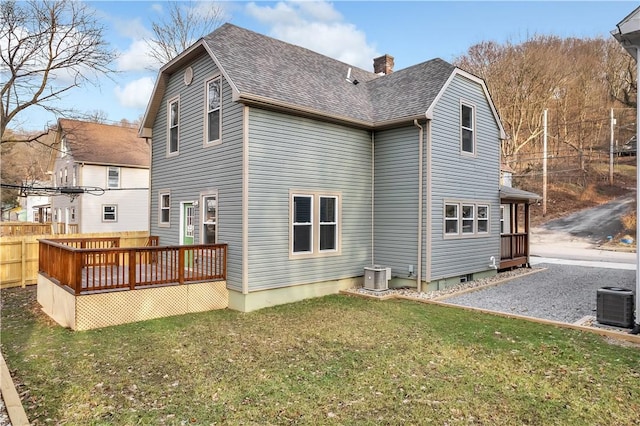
column 377, row 277
column 615, row 306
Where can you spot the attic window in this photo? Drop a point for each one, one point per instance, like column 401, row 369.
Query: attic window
column 63, row 147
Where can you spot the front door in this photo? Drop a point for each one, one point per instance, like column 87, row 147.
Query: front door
column 187, row 232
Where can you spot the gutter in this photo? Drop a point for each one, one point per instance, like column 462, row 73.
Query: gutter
column 420, row 166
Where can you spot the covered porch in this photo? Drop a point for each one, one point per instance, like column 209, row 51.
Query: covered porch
column 515, row 224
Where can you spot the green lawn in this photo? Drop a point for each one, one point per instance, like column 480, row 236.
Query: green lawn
column 333, row 360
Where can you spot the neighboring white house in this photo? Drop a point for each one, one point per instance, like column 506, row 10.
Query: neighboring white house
column 37, row 207
column 113, row 164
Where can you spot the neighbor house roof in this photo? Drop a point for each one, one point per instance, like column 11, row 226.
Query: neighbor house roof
column 105, row 144
column 265, row 71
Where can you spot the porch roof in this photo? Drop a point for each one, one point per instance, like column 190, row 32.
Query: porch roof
column 509, row 193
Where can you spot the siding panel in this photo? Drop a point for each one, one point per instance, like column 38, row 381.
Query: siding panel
column 458, row 177
column 197, row 169
column 288, row 153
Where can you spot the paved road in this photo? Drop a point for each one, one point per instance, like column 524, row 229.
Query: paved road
column 579, row 236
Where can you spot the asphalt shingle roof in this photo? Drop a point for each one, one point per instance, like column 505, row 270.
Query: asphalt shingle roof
column 104, row 144
column 274, row 70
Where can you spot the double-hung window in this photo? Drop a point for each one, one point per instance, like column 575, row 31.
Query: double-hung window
column 302, row 224
column 109, row 213
column 467, row 131
column 173, row 121
column 113, row 177
column 213, row 108
column 209, row 218
column 164, row 211
column 466, row 219
column 315, row 221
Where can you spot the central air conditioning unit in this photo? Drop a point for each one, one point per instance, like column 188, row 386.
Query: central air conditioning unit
column 615, row 306
column 376, row 277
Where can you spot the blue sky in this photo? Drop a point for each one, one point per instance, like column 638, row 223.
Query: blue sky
column 352, row 31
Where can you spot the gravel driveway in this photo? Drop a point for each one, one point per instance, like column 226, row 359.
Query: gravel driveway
column 563, row 293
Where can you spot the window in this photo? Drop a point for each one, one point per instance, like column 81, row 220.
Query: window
column 60, row 176
column 109, row 213
column 66, row 176
column 467, row 129
column 302, row 224
column 209, row 218
column 73, row 213
column 451, row 219
column 174, row 121
column 214, row 101
column 328, row 223
column 466, row 219
column 164, row 215
column 74, row 176
column 315, row 222
column 483, row 219
column 113, row 177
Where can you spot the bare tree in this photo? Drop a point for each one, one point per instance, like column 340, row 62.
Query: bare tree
column 46, row 49
column 620, row 74
column 185, row 24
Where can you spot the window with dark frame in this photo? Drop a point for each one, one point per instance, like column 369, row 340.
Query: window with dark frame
column 113, row 177
column 109, row 213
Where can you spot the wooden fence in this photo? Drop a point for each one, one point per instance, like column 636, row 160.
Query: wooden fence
column 17, row 229
column 19, row 255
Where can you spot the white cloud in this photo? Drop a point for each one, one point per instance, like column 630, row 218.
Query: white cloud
column 131, row 28
column 136, row 58
column 157, row 7
column 135, row 94
column 319, row 27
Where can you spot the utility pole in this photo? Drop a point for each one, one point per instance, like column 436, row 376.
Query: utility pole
column 613, row 122
column 544, row 166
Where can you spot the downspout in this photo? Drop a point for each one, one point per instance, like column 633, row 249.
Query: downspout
column 429, row 203
column 420, row 160
column 373, row 195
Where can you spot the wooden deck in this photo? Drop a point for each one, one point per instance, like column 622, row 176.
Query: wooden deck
column 91, row 265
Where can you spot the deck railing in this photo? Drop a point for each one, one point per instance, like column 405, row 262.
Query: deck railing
column 92, row 265
column 514, row 246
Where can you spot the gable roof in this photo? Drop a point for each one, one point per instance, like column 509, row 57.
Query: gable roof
column 269, row 72
column 104, row 144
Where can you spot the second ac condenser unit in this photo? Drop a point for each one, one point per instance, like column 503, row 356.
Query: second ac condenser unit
column 615, row 306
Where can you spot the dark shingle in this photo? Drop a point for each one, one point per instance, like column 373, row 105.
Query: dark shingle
column 262, row 66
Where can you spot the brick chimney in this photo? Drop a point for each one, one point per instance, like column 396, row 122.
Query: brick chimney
column 383, row 64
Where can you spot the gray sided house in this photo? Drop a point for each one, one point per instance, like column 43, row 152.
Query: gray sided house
column 311, row 169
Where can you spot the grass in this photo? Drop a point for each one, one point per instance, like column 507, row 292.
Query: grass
column 333, row 360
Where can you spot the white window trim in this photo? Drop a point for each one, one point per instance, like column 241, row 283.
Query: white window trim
column 460, row 234
column 471, row 219
column 334, row 223
column 472, row 129
column 315, row 224
column 118, row 170
column 162, row 224
column 207, row 142
column 451, row 219
column 204, row 195
column 168, row 147
column 115, row 212
column 479, row 219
